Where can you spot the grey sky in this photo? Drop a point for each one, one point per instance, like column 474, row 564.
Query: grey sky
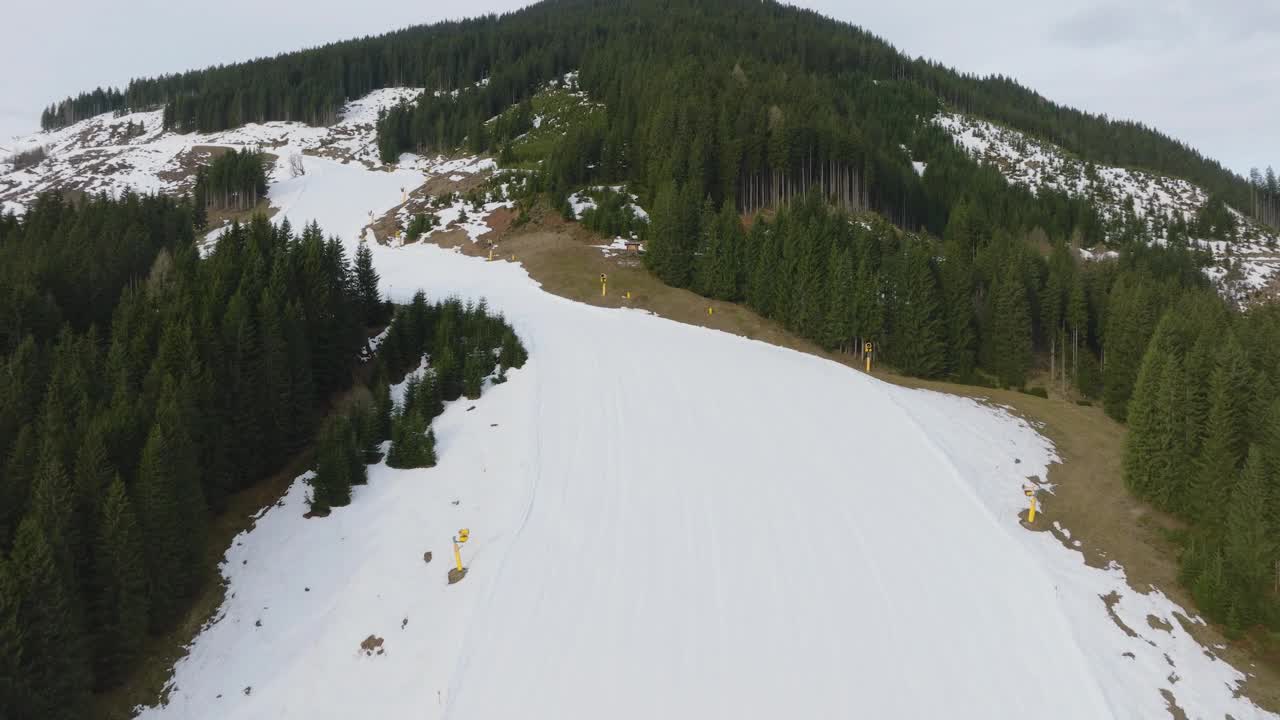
column 1206, row 72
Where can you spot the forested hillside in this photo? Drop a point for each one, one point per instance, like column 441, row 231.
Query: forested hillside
column 841, row 97
column 140, row 386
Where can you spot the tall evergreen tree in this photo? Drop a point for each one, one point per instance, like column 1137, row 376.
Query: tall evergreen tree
column 367, row 293
column 13, row 685
column 1226, row 436
column 1248, row 547
column 1011, row 329
column 171, row 509
column 56, row 669
column 918, row 340
column 121, row 588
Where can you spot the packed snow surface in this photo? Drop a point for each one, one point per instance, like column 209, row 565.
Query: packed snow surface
column 669, row 521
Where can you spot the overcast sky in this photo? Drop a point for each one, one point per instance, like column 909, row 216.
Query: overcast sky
column 1204, row 71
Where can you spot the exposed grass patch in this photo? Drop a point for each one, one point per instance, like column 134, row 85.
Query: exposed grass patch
column 555, row 110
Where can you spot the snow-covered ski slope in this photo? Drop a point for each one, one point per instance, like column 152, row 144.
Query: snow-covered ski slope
column 668, row 521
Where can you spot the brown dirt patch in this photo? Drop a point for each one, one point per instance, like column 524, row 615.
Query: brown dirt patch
column 442, row 184
column 371, row 645
column 1171, row 703
column 1111, row 599
column 1157, row 624
column 456, row 575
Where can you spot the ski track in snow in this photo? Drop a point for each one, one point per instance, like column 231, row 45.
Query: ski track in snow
column 670, row 521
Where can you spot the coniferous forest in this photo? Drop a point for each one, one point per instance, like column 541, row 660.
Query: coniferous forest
column 234, row 180
column 141, row 386
column 761, row 100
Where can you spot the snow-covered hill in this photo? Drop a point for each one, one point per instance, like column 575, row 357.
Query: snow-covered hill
column 100, row 155
column 1244, row 266
column 666, row 521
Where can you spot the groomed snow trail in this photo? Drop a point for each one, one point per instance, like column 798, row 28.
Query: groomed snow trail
column 672, row 522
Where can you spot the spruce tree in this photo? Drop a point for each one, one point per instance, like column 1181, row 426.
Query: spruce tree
column 382, row 409
column 473, row 373
column 331, row 485
column 918, row 344
column 1226, row 434
column 15, row 482
column 1248, row 548
column 121, row 605
column 56, row 670
column 366, row 290
column 1011, row 329
column 957, row 290
column 13, row 690
column 171, row 511
column 92, row 478
column 412, row 442
column 837, row 331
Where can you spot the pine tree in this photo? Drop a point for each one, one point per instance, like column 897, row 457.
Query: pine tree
column 1011, row 329
column 331, row 485
column 837, row 331
column 53, row 502
column 13, row 691
column 918, row 343
column 1077, row 322
column 122, row 604
column 957, row 290
column 1226, row 434
column 367, row 294
column 171, row 511
column 15, row 483
column 1247, row 547
column 382, row 409
column 275, row 391
column 302, row 392
column 92, row 478
column 412, row 442
column 473, row 373
column 660, row 242
column 56, row 671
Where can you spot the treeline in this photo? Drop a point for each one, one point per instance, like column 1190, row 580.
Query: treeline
column 464, row 345
column 141, row 385
column 82, row 106
column 1266, row 196
column 981, row 305
column 801, row 100
column 233, row 180
column 1204, row 444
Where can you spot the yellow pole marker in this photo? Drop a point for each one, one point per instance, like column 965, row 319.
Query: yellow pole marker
column 628, row 294
column 1030, row 492
column 491, row 253
column 711, row 311
column 604, row 284
column 458, row 540
column 867, row 350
